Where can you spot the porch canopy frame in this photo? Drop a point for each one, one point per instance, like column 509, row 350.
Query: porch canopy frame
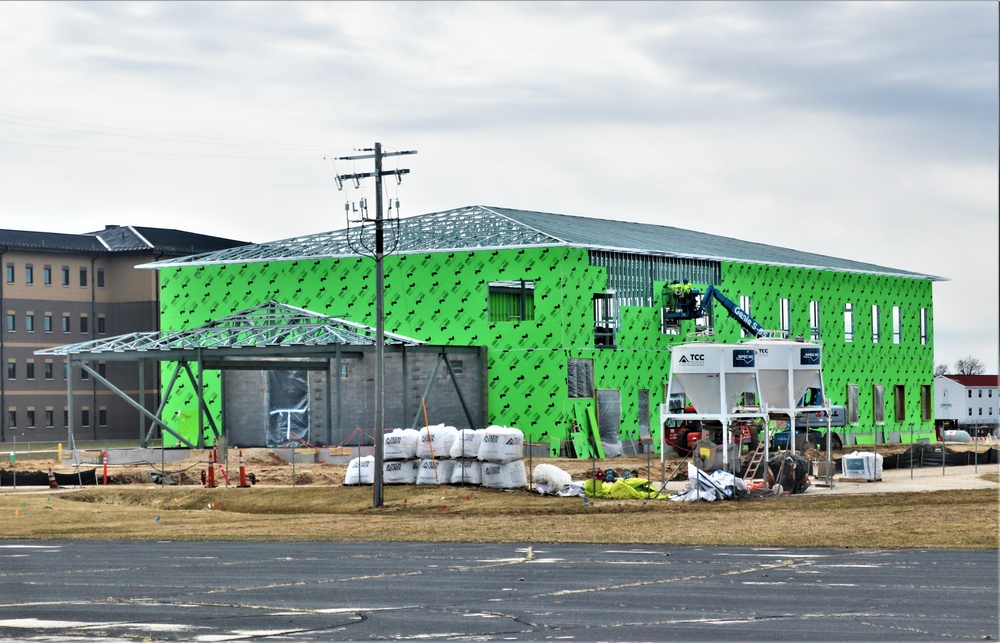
column 272, row 336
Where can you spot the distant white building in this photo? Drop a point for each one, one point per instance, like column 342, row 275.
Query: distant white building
column 968, row 400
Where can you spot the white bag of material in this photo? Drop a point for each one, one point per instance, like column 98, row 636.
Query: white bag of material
column 435, row 471
column 467, row 472
column 400, row 471
column 550, row 479
column 467, row 443
column 867, row 466
column 436, row 441
column 400, row 444
column 360, row 471
column 501, row 444
column 510, row 475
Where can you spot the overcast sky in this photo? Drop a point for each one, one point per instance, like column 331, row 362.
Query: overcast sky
column 864, row 130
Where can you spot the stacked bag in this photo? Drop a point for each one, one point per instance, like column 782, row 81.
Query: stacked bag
column 439, row 454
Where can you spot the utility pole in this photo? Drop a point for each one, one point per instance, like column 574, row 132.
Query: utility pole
column 378, row 252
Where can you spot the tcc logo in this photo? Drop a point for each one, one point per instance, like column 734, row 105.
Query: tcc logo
column 694, row 357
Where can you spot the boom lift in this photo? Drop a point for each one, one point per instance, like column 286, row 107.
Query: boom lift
column 696, row 304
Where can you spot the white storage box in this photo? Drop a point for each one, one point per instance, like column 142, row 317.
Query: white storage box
column 867, row 466
column 360, row 471
column 435, row 471
column 510, row 475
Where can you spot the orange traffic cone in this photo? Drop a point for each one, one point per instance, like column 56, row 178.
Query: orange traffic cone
column 243, row 473
column 52, row 480
column 211, row 470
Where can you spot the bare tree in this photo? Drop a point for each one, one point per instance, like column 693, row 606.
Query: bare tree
column 940, row 369
column 969, row 366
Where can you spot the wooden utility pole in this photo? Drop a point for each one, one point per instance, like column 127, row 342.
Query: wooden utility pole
column 379, row 254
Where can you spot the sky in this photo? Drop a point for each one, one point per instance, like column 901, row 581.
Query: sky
column 862, row 130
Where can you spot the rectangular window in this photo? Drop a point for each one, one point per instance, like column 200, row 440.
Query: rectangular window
column 878, row 404
column 65, row 275
column 12, row 370
column 101, row 324
column 785, row 316
column 605, row 320
column 580, row 378
column 747, row 305
column 47, row 321
column 10, row 273
column 30, row 418
column 83, row 277
column 643, row 405
column 925, row 402
column 853, row 413
column 84, row 374
column 876, row 325
column 65, row 417
column 100, row 277
column 12, row 418
column 923, row 326
column 29, row 370
column 814, row 326
column 899, row 402
column 457, row 366
column 511, row 300
column 11, row 322
column 47, row 275
column 85, row 417
column 29, row 274
column 65, row 323
column 47, row 369
column 897, row 325
column 102, row 416
column 49, row 418
column 102, row 369
column 29, row 322
column 848, row 322
column 84, row 324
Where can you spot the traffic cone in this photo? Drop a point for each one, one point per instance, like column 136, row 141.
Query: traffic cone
column 52, row 480
column 243, row 474
column 105, row 468
column 211, row 470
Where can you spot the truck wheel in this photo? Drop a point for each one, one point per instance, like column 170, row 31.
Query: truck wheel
column 835, row 442
column 682, row 441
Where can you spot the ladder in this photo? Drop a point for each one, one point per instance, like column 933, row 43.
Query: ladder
column 753, row 466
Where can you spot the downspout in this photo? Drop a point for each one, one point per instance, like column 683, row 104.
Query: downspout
column 3, row 359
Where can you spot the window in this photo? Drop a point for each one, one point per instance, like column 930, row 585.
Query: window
column 456, row 366
column 980, row 392
column 970, row 393
column 29, row 322
column 101, row 324
column 29, row 370
column 899, row 399
column 84, row 374
column 47, row 369
column 897, row 325
column 83, row 277
column 102, row 416
column 878, row 404
column 65, row 323
column 923, row 326
column 785, row 316
column 100, row 277
column 11, row 322
column 925, row 402
column 605, row 320
column 47, row 275
column 814, row 331
column 49, row 418
column 853, row 414
column 85, row 417
column 65, row 417
column 511, row 300
column 580, row 378
column 12, row 418
column 747, row 305
column 848, row 322
column 47, row 322
column 102, row 369
column 84, row 324
column 30, row 418
column 876, row 323
column 10, row 273
column 12, row 370
column 29, row 274
column 65, row 275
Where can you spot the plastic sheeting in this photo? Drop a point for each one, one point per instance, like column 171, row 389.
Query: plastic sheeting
column 609, row 421
column 710, row 487
column 287, row 408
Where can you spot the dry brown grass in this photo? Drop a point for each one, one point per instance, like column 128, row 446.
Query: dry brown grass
column 941, row 519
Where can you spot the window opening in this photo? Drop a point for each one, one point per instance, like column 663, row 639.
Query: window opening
column 580, row 378
column 605, row 320
column 511, row 300
column 848, row 322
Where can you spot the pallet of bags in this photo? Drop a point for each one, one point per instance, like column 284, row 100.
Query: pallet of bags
column 467, row 443
column 400, row 444
column 506, row 475
column 467, row 472
column 435, row 471
column 436, row 441
column 501, row 444
column 400, row 471
column 360, row 471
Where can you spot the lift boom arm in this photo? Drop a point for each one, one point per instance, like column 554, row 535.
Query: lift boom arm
column 737, row 313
